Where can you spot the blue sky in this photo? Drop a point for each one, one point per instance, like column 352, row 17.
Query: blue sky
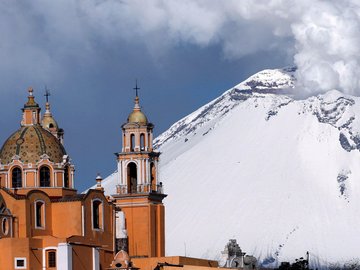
column 183, row 53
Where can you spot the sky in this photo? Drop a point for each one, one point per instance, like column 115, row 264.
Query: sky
column 183, row 54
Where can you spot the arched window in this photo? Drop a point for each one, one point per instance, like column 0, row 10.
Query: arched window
column 51, row 258
column 16, row 177
column 97, row 214
column 124, row 141
column 153, row 176
column 44, row 176
column 132, row 177
column 149, row 140
column 142, row 142
column 66, row 176
column 132, row 142
column 5, row 226
column 39, row 214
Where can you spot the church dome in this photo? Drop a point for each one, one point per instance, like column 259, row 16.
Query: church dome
column 30, row 143
column 137, row 117
column 49, row 122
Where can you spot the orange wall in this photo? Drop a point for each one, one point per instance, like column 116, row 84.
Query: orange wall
column 12, row 248
column 63, row 223
column 104, row 236
column 144, row 220
column 30, row 179
column 137, row 225
column 33, row 197
column 82, row 258
column 69, row 219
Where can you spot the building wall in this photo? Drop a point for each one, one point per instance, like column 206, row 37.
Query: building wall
column 20, row 248
column 137, row 222
column 106, row 257
column 65, row 221
column 82, row 258
column 104, row 236
column 144, row 222
column 71, row 215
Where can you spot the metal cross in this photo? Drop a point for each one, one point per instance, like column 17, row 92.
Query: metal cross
column 47, row 94
column 136, row 88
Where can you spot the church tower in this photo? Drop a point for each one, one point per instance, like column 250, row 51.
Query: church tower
column 139, row 192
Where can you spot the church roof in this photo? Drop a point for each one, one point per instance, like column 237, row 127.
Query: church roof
column 137, row 117
column 29, row 144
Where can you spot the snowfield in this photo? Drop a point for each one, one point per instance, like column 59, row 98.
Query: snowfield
column 280, row 175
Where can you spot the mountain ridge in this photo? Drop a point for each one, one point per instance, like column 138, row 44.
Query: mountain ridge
column 279, row 174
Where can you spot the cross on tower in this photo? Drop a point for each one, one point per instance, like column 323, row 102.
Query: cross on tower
column 136, row 88
column 47, row 94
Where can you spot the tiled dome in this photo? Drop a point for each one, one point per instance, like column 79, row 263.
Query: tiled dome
column 30, row 143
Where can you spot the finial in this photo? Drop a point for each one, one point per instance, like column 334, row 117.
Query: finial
column 136, row 88
column 31, row 99
column 30, row 90
column 47, row 94
column 98, row 182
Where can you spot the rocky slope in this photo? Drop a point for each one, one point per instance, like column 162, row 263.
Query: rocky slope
column 280, row 175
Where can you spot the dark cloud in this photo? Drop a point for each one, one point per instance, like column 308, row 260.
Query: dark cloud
column 184, row 54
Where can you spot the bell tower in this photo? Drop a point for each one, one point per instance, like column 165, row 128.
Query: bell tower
column 139, row 193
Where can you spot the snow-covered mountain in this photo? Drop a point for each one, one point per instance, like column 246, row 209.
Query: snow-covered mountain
column 280, row 175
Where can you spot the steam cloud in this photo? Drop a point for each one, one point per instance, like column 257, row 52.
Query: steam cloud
column 322, row 37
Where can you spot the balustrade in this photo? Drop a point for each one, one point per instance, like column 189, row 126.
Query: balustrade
column 141, row 189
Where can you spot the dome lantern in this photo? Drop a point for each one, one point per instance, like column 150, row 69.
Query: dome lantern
column 31, row 110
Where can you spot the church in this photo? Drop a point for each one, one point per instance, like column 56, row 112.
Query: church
column 46, row 224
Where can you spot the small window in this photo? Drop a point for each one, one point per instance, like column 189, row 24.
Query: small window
column 44, row 177
column 5, row 226
column 20, row 263
column 34, row 120
column 51, row 125
column 153, row 176
column 142, row 142
column 66, row 176
column 132, row 142
column 97, row 214
column 16, row 177
column 39, row 214
column 51, row 258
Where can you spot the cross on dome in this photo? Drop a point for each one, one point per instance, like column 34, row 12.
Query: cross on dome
column 47, row 94
column 136, row 88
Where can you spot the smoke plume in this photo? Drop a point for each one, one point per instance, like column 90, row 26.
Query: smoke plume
column 322, row 37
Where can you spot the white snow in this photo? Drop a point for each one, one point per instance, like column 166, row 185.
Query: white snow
column 282, row 176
